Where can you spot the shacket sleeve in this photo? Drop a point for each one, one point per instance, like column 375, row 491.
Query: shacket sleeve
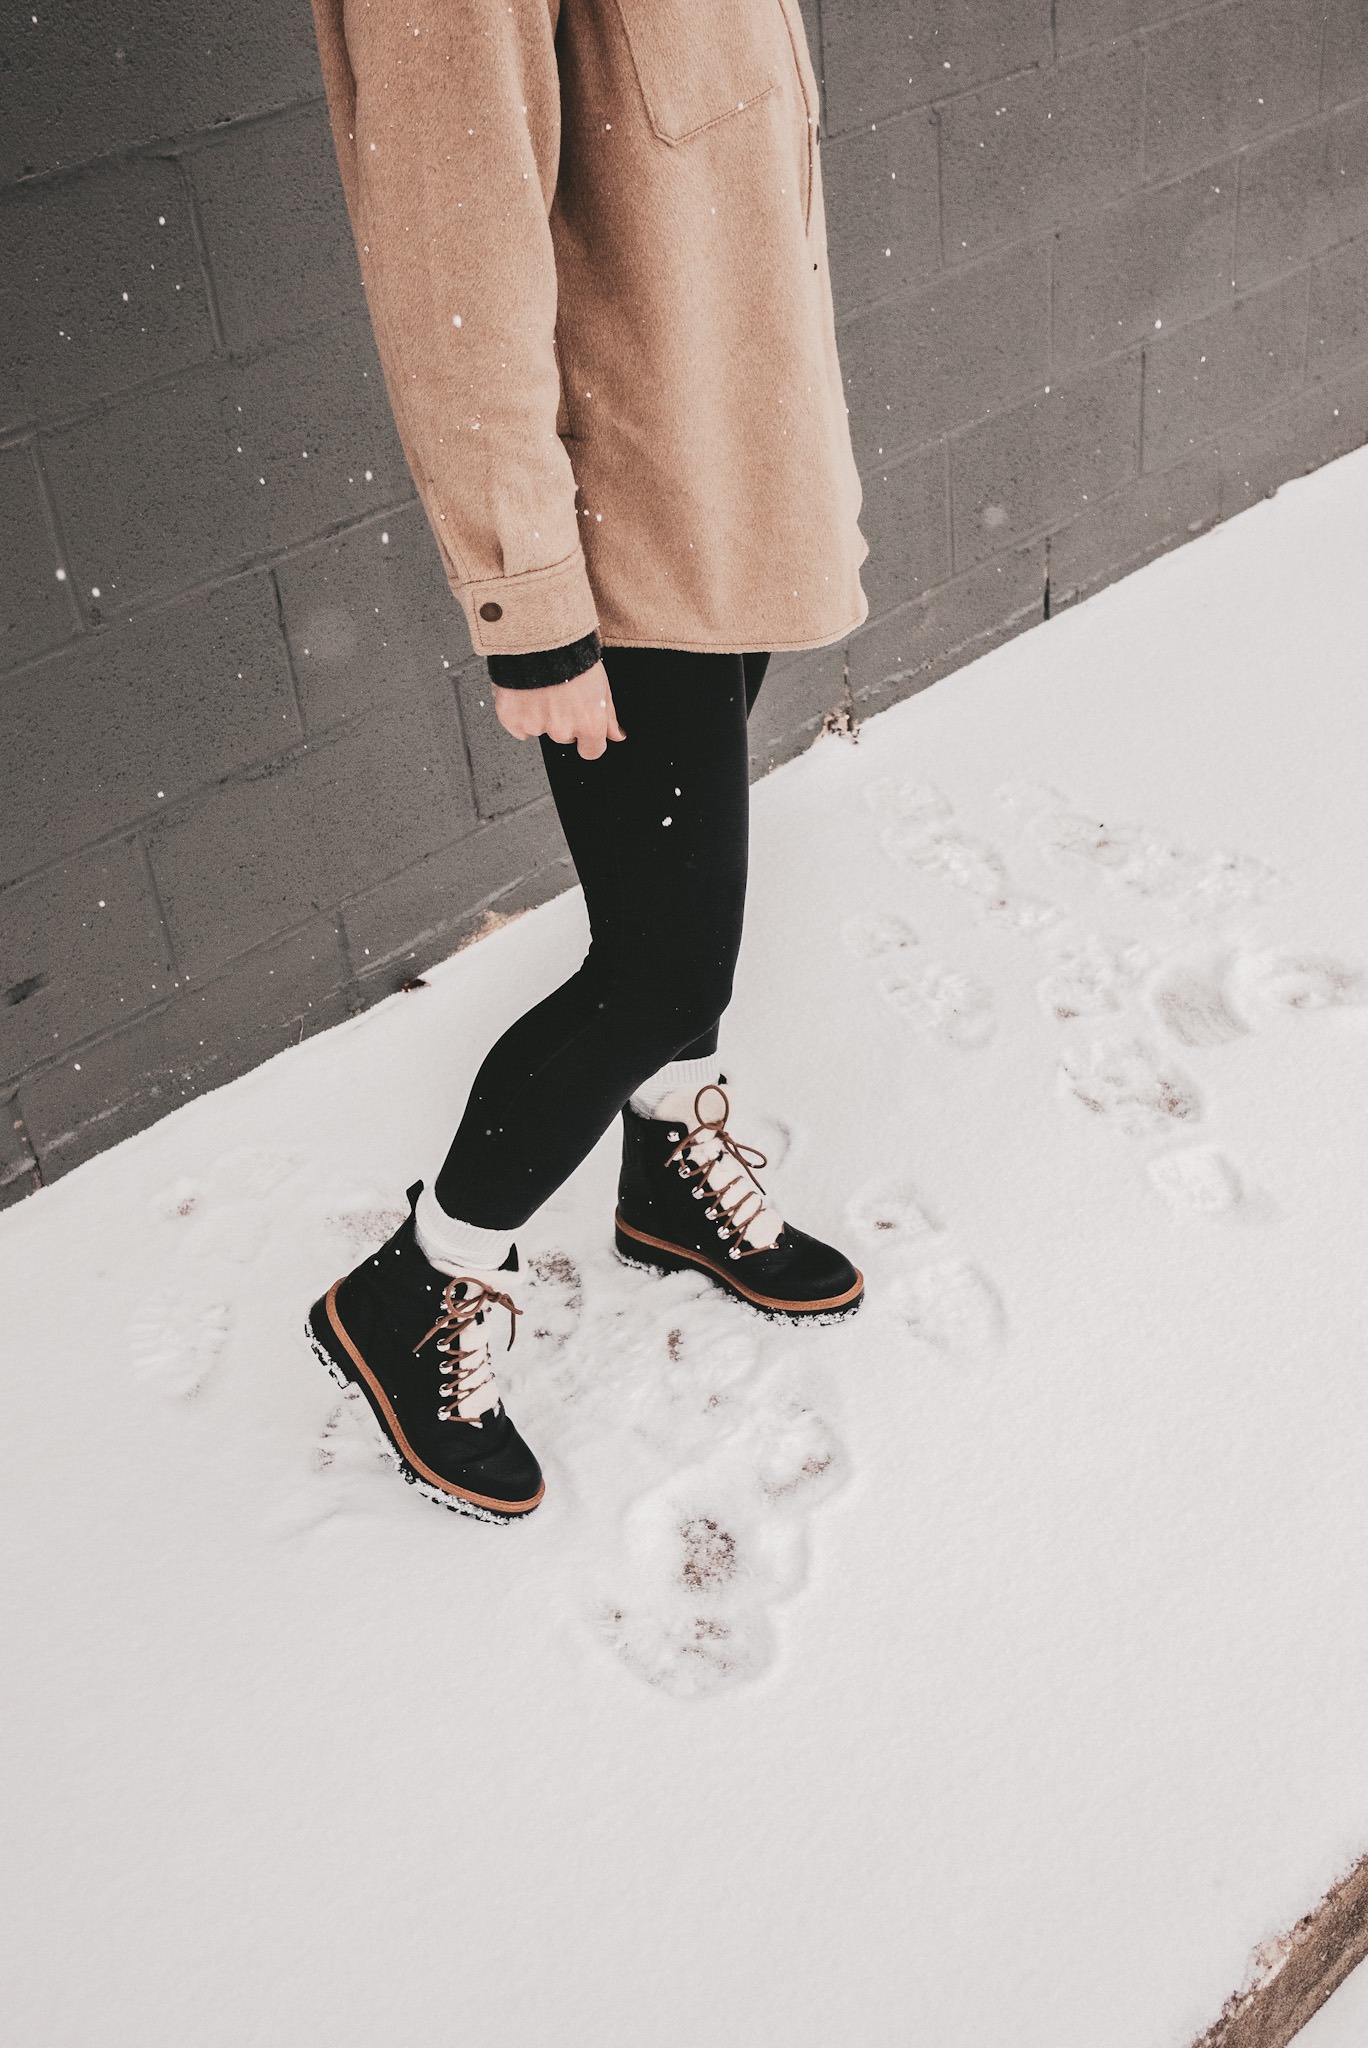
column 446, row 119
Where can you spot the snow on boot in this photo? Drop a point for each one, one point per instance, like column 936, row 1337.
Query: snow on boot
column 688, row 1196
column 416, row 1344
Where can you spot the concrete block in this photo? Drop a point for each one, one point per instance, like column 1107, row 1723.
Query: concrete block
column 19, row 1174
column 1046, row 459
column 799, row 690
column 1349, row 168
column 812, row 23
column 975, row 340
column 1338, row 331
column 367, row 613
column 259, row 855
column 154, row 491
column 1257, row 455
column 85, row 79
column 125, row 722
column 1081, row 24
column 1024, row 154
column 896, row 656
column 101, row 287
column 35, row 608
column 885, row 54
column 1218, row 79
column 205, row 1036
column 1146, row 517
column 455, row 893
column 1223, row 369
column 905, row 517
column 882, row 208
column 1288, row 203
column 1346, row 51
column 81, row 947
column 507, row 773
column 277, row 268
column 1162, row 255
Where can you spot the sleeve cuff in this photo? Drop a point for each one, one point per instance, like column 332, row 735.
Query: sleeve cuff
column 539, row 671
column 523, row 614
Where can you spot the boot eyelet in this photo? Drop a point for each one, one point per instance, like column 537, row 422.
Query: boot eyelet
column 674, row 1137
column 722, row 1230
column 733, row 1253
column 697, row 1194
column 683, row 1172
column 444, row 1415
column 446, row 1390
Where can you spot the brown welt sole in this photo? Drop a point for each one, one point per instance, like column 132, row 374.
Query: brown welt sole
column 657, row 1251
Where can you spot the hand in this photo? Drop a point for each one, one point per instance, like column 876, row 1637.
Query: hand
column 580, row 710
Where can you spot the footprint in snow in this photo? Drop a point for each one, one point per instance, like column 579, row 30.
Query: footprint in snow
column 943, row 1003
column 178, row 1199
column 918, row 804
column 872, row 934
column 1301, row 981
column 1088, row 978
column 1189, row 883
column 363, row 1225
column 1129, row 1087
column 174, row 1342
column 925, row 837
column 1200, row 1181
column 704, row 1564
column 1190, row 1002
column 952, row 1307
column 693, row 1443
column 950, row 856
column 232, row 1231
column 890, row 1213
column 351, row 1468
column 236, row 1229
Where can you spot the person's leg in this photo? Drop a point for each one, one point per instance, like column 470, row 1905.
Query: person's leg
column 658, row 831
column 705, row 1045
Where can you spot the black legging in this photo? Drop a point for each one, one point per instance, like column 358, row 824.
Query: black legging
column 658, row 829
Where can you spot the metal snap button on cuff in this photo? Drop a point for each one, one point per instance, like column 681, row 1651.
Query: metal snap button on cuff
column 491, row 611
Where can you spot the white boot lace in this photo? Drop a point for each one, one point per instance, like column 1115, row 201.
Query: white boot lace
column 468, row 1385
column 745, row 1223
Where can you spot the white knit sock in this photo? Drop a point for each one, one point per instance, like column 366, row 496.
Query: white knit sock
column 454, row 1247
column 691, row 1074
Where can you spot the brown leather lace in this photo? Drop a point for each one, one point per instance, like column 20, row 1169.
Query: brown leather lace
column 750, row 1202
column 458, row 1315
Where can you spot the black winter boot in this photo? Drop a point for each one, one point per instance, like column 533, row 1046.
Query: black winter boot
column 687, row 1196
column 393, row 1328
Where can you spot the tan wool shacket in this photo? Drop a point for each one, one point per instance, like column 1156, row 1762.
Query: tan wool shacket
column 594, row 250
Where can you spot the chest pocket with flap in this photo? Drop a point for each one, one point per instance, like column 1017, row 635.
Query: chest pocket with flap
column 697, row 61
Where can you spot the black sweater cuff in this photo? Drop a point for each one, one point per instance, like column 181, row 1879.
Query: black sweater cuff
column 550, row 665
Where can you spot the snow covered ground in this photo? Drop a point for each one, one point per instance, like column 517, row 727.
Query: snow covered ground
column 991, row 1669
column 1343, row 2021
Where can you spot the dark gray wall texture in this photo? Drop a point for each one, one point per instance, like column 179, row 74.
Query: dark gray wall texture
column 1101, row 275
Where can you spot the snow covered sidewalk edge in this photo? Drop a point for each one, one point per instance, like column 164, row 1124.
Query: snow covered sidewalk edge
column 1292, row 1975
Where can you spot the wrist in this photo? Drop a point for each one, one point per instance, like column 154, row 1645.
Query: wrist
column 544, row 668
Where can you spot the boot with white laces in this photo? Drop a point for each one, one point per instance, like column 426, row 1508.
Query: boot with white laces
column 689, row 1197
column 416, row 1342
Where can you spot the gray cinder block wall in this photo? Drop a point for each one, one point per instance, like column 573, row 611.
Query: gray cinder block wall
column 1101, row 270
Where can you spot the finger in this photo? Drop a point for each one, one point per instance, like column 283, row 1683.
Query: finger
column 591, row 746
column 614, row 730
column 514, row 722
